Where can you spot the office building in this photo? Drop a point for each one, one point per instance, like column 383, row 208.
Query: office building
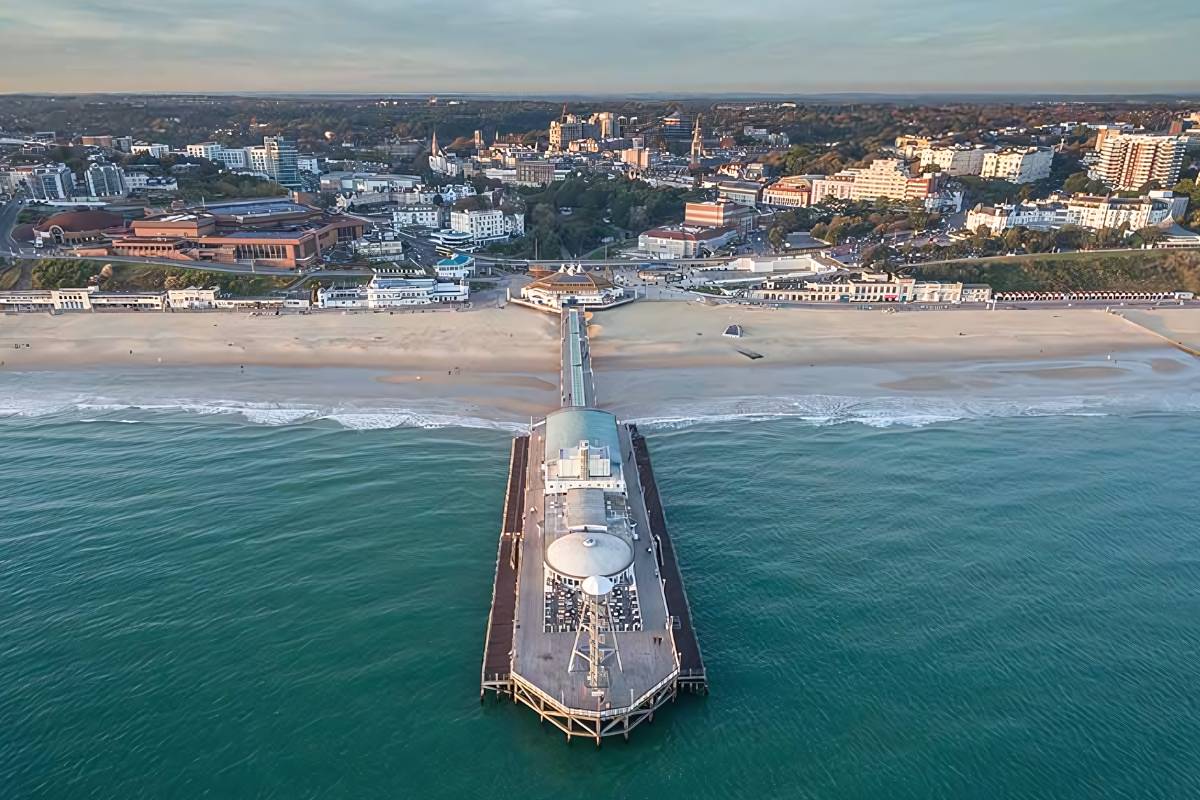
column 50, row 182
column 284, row 161
column 232, row 158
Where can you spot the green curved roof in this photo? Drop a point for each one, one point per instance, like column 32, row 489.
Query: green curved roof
column 567, row 427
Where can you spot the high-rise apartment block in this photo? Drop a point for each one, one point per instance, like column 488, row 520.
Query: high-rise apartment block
column 1130, row 161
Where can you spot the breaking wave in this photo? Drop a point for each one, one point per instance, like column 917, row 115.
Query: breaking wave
column 816, row 410
column 914, row 412
column 97, row 410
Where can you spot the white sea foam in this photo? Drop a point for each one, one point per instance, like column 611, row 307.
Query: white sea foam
column 96, row 409
column 915, row 412
column 816, row 410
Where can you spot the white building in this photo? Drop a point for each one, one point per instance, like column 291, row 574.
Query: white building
column 455, row 268
column 1085, row 211
column 959, row 159
column 871, row 287
column 48, row 182
column 418, row 216
column 232, row 157
column 794, row 191
column 313, row 164
column 105, row 180
column 394, row 292
column 152, row 150
column 571, row 286
column 144, row 182
column 1018, row 164
column 192, row 297
column 488, row 225
column 381, row 250
column 205, row 150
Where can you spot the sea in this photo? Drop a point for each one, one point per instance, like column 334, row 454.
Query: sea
column 250, row 602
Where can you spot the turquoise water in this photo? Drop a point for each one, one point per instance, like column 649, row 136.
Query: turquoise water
column 200, row 606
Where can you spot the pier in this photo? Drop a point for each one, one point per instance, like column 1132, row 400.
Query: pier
column 590, row 625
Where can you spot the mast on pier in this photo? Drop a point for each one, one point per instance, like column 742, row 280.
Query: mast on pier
column 595, row 637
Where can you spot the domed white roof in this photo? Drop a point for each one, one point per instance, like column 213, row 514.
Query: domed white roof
column 582, row 555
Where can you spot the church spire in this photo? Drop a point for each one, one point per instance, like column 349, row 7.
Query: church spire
column 434, row 150
column 697, row 143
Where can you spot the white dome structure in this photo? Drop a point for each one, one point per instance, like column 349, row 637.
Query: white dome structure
column 597, row 586
column 581, row 555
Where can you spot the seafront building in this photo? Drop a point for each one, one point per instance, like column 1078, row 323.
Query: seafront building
column 870, row 287
column 384, row 292
column 1085, row 211
column 571, row 287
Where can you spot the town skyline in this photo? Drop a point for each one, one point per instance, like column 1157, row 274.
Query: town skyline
column 665, row 47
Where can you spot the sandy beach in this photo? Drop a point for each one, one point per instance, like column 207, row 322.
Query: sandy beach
column 651, row 359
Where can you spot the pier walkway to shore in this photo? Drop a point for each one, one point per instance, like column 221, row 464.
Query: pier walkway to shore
column 578, row 383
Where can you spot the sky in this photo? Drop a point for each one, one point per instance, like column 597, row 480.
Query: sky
column 600, row 47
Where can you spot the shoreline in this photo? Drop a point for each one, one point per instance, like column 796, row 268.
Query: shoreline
column 657, row 361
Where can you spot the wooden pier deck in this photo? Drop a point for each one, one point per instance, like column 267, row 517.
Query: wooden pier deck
column 497, row 651
column 692, row 674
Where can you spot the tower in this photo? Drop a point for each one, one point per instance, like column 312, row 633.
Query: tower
column 434, row 150
column 595, row 638
column 478, row 141
column 697, row 144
